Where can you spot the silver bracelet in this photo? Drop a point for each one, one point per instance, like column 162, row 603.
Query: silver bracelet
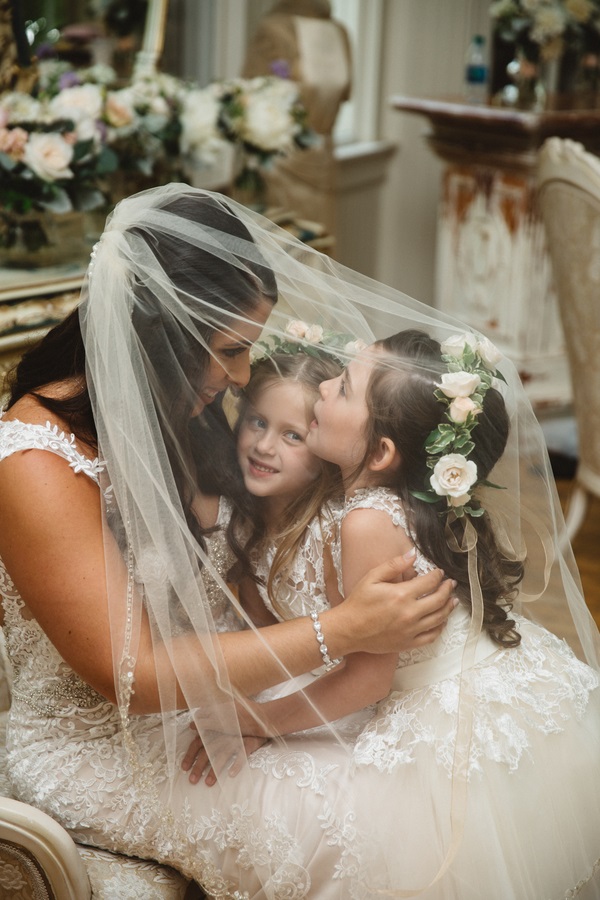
column 329, row 662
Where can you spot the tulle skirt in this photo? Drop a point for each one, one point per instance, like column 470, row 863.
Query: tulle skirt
column 521, row 820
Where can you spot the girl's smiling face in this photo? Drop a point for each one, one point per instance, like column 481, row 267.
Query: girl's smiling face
column 337, row 432
column 275, row 460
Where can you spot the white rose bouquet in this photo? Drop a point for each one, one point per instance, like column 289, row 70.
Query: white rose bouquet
column 471, row 362
column 543, row 28
column 60, row 144
column 265, row 117
column 53, row 149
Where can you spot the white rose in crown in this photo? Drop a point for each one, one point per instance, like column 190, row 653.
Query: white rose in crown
column 490, row 355
column 453, row 476
column 455, row 345
column 461, row 407
column 459, row 384
column 49, row 156
column 355, row 347
column 314, row 334
column 296, row 329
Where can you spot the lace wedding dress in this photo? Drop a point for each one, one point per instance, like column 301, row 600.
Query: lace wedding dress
column 535, row 754
column 66, row 756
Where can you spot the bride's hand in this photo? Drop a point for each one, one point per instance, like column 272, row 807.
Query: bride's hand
column 197, row 762
column 385, row 613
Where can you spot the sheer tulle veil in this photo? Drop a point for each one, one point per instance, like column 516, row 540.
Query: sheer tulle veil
column 174, row 267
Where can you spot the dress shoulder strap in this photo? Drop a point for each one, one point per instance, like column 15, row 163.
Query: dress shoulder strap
column 16, row 436
column 380, row 498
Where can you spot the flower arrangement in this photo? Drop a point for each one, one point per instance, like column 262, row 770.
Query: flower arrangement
column 543, row 28
column 263, row 116
column 313, row 340
column 53, row 147
column 471, row 365
column 78, row 126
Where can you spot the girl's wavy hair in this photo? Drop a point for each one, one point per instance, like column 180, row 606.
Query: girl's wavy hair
column 404, row 409
column 308, row 372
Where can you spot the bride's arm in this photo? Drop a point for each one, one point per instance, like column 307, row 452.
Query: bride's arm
column 368, row 537
column 51, row 542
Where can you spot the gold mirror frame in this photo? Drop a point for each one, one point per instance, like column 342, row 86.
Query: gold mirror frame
column 149, row 56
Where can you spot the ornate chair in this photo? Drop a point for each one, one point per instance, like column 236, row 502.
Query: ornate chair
column 40, row 861
column 569, row 200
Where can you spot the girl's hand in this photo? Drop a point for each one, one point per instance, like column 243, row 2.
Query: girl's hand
column 197, row 763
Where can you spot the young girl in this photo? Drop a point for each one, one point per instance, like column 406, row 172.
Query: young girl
column 495, row 722
column 285, row 568
column 298, row 500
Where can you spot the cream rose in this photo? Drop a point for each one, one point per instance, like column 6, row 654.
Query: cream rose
column 461, row 407
column 490, row 355
column 20, row 107
column 13, row 142
column 198, row 118
column 119, row 108
column 459, row 384
column 267, row 121
column 314, row 334
column 455, row 345
column 49, row 156
column 355, row 346
column 453, row 476
column 296, row 328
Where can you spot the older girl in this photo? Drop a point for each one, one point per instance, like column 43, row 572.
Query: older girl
column 498, row 716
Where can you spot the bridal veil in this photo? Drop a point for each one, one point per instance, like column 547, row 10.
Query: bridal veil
column 174, row 267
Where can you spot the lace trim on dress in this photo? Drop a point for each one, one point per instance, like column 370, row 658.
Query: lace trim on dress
column 19, row 436
column 302, row 590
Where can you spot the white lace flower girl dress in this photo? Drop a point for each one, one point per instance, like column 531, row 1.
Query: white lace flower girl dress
column 513, row 813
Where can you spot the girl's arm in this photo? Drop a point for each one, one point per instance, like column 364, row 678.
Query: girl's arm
column 368, row 537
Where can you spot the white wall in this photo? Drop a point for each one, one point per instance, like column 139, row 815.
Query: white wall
column 422, row 55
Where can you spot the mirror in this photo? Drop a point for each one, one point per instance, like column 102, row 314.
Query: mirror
column 125, row 34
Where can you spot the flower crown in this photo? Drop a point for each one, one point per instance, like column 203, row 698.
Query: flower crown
column 471, row 364
column 313, row 340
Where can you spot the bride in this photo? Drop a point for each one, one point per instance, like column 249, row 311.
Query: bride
column 121, row 620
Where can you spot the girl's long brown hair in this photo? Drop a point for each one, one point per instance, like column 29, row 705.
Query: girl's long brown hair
column 308, row 372
column 404, row 409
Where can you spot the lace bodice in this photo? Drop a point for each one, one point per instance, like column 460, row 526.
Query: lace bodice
column 303, row 589
column 381, row 498
column 17, row 436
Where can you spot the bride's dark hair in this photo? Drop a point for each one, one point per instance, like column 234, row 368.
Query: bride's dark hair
column 403, row 408
column 206, row 446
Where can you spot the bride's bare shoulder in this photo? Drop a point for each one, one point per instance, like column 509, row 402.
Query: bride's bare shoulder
column 31, row 411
